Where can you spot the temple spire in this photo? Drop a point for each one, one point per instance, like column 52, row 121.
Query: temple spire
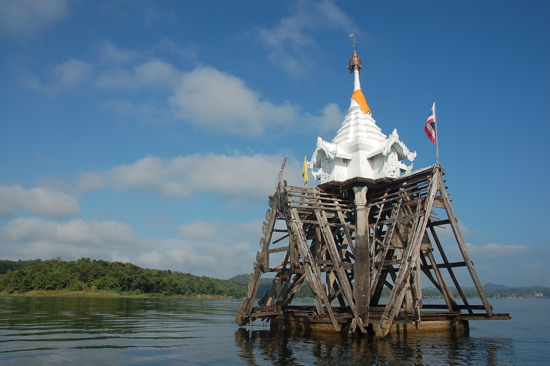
column 357, row 98
column 359, row 149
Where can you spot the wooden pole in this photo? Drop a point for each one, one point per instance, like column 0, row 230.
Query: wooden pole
column 436, row 138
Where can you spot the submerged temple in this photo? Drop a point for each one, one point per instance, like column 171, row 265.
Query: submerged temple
column 368, row 231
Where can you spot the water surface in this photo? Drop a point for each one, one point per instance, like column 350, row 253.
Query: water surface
column 89, row 331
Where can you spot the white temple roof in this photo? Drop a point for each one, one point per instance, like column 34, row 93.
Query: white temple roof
column 393, row 142
column 358, row 131
column 359, row 149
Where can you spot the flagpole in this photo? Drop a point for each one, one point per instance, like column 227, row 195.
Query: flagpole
column 436, row 137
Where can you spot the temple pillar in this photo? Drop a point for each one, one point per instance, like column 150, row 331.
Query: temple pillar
column 361, row 288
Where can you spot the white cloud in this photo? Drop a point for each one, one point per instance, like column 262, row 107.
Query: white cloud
column 219, row 102
column 250, row 176
column 222, row 253
column 250, row 231
column 38, row 201
column 37, row 238
column 189, row 52
column 76, row 231
column 22, row 18
column 211, row 259
column 205, row 97
column 216, row 255
column 290, row 45
column 118, row 71
column 201, row 230
column 109, row 53
column 67, row 75
column 153, row 73
column 493, row 250
column 71, row 73
column 330, row 120
column 92, row 180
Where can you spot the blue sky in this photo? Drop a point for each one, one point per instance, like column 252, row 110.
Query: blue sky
column 152, row 131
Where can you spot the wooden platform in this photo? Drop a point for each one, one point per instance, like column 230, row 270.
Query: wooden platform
column 348, row 241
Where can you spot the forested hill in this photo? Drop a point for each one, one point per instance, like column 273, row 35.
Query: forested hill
column 124, row 278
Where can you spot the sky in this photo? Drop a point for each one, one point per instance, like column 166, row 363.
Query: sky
column 152, row 132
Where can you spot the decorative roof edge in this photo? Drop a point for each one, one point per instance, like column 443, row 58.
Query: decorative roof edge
column 385, row 147
column 330, row 149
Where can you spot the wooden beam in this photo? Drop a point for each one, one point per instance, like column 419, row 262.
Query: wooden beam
column 462, row 245
column 409, row 257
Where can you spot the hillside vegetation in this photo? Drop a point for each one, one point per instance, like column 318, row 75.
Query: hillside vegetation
column 89, row 277
column 123, row 278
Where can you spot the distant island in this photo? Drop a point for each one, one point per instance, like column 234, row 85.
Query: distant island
column 91, row 277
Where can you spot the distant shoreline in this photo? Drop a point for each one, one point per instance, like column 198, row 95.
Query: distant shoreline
column 111, row 294
column 106, row 295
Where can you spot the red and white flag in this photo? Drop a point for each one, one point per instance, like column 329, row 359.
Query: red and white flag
column 430, row 126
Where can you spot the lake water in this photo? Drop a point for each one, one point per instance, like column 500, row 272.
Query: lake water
column 88, row 331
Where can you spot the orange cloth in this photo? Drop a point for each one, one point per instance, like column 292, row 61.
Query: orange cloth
column 360, row 99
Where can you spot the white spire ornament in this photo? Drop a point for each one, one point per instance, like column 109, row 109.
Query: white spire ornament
column 360, row 149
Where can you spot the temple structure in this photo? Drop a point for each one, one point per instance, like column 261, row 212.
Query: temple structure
column 360, row 149
column 363, row 241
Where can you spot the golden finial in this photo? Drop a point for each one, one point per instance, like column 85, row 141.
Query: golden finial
column 354, row 61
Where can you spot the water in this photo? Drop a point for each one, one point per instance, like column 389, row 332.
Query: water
column 88, row 331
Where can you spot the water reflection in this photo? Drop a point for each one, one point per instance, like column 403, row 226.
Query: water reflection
column 265, row 347
column 88, row 331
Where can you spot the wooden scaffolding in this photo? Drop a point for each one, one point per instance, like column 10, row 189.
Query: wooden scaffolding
column 348, row 241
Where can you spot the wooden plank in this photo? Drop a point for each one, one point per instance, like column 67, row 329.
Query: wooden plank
column 395, row 220
column 458, row 306
column 462, row 245
column 445, row 265
column 385, row 246
column 347, row 233
column 336, row 259
column 409, row 257
column 439, row 223
column 444, row 287
column 449, row 267
column 291, row 288
column 312, row 271
column 277, row 250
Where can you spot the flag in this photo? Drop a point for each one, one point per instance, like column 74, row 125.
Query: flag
column 359, row 97
column 304, row 171
column 430, row 127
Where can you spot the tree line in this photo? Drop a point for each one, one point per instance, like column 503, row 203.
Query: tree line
column 87, row 274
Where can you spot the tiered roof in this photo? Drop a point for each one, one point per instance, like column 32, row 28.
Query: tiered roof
column 360, row 149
